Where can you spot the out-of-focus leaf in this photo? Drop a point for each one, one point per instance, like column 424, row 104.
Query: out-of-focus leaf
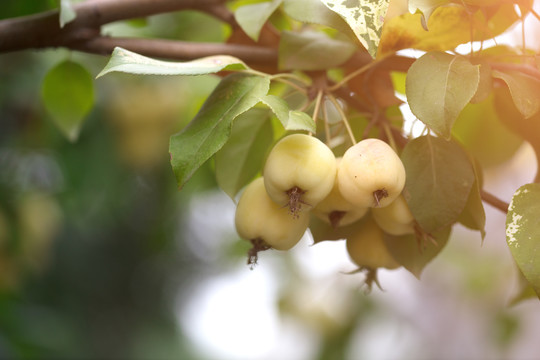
column 67, row 14
column 439, row 180
column 510, row 116
column 315, row 12
column 438, row 87
column 479, row 129
column 290, row 119
column 412, row 253
column 426, row 7
column 126, row 61
column 311, row 50
column 68, row 96
column 449, row 26
column 365, row 17
column 525, row 91
column 251, row 18
column 523, row 232
column 242, row 157
column 211, row 127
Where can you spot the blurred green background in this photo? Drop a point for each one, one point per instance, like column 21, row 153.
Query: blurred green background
column 101, row 257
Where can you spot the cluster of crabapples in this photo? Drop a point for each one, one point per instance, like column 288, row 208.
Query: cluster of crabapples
column 302, row 177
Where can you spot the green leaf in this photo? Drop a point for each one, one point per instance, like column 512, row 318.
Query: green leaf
column 242, row 157
column 479, row 129
column 67, row 14
column 365, row 17
column 315, row 12
column 290, row 119
column 525, row 291
column 411, row 254
column 126, row 61
column 251, row 18
column 68, row 96
column 311, row 50
column 211, row 127
column 523, row 232
column 299, row 120
column 438, row 87
column 439, row 180
column 525, row 91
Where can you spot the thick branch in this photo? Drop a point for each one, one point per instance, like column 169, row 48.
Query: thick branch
column 43, row 30
column 179, row 50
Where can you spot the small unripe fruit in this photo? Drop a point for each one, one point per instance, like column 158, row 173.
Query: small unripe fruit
column 367, row 249
column 337, row 211
column 265, row 223
column 371, row 174
column 396, row 218
column 300, row 170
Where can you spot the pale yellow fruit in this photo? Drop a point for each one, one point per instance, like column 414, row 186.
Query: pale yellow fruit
column 366, row 247
column 396, row 218
column 300, row 170
column 337, row 211
column 265, row 223
column 371, row 174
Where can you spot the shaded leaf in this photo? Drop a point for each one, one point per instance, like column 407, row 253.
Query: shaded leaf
column 126, row 61
column 438, row 87
column 523, row 232
column 211, row 127
column 323, row 231
column 68, row 96
column 474, row 216
column 242, row 157
column 525, row 91
column 439, row 180
column 365, row 17
column 251, row 18
column 312, row 51
column 411, row 254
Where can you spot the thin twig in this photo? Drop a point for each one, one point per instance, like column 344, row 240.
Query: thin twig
column 494, row 201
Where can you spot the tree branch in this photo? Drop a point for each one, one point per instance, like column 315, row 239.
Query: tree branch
column 43, row 30
column 178, row 50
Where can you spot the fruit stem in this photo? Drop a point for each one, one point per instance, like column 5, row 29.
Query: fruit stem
column 335, row 217
column 258, row 245
column 295, row 201
column 343, row 116
column 378, row 195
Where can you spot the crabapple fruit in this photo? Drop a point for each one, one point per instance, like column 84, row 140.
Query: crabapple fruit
column 396, row 218
column 266, row 224
column 367, row 249
column 336, row 210
column 371, row 174
column 300, row 170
